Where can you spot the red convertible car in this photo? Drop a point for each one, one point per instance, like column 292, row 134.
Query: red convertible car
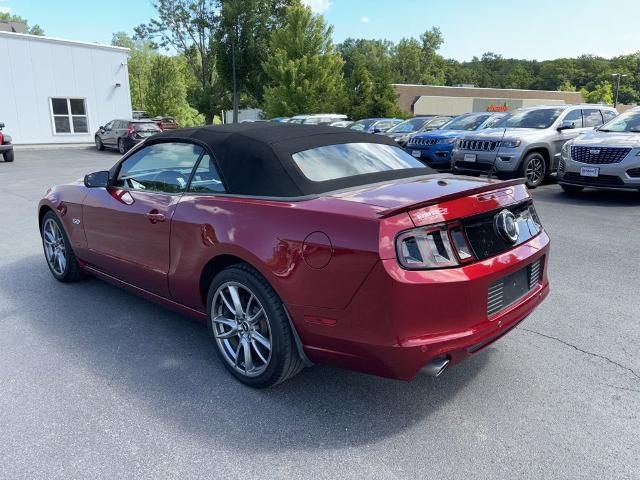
column 302, row 244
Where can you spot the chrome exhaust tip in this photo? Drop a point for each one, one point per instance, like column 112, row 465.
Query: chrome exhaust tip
column 436, row 367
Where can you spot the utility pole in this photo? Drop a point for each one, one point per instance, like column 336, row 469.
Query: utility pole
column 618, row 75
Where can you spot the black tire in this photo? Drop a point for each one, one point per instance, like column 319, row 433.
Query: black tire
column 571, row 189
column 99, row 144
column 121, row 146
column 534, row 169
column 8, row 156
column 283, row 360
column 71, row 271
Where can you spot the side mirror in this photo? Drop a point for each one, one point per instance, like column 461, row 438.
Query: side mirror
column 377, row 130
column 567, row 125
column 97, row 180
column 101, row 127
column 1, row 125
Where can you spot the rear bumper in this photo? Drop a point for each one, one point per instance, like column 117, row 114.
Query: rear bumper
column 6, row 147
column 624, row 175
column 401, row 320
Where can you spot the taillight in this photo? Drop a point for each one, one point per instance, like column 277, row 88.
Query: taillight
column 438, row 246
column 131, row 131
column 1, row 138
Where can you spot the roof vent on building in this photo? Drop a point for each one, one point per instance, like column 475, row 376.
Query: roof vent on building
column 15, row 27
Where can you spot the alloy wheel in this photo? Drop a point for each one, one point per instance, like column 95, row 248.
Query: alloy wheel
column 241, row 329
column 54, row 247
column 534, row 171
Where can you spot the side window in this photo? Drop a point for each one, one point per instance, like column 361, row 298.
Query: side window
column 592, row 117
column 575, row 117
column 206, row 178
column 608, row 115
column 109, row 125
column 161, row 167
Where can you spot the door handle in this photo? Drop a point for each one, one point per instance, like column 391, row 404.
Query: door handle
column 154, row 217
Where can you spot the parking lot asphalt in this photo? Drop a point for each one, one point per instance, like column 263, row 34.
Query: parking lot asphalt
column 98, row 383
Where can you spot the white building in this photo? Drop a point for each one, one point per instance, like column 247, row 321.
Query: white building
column 60, row 91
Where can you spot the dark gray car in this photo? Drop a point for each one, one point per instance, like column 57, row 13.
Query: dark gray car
column 124, row 134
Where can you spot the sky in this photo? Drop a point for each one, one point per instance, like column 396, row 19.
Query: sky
column 531, row 29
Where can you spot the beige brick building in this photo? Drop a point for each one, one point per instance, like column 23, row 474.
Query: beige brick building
column 427, row 99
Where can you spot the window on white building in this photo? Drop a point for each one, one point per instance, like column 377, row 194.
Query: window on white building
column 69, row 115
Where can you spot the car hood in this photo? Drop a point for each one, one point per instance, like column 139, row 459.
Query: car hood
column 625, row 139
column 442, row 134
column 410, row 192
column 395, row 135
column 493, row 133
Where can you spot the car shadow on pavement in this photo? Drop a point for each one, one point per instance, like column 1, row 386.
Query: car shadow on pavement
column 165, row 363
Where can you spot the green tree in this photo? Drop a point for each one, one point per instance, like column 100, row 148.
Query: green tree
column 567, row 86
column 304, row 70
column 141, row 55
column 602, row 93
column 408, row 61
column 433, row 71
column 167, row 92
column 369, row 72
column 243, row 45
column 189, row 28
column 8, row 17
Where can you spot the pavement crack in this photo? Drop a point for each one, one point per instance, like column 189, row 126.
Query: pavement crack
column 617, row 387
column 586, row 352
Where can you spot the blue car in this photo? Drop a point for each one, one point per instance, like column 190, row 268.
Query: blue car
column 434, row 148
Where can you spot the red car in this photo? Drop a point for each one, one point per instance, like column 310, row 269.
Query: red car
column 301, row 244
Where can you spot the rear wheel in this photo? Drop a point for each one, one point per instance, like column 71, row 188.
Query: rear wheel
column 572, row 189
column 60, row 257
column 8, row 156
column 99, row 144
column 251, row 329
column 121, row 147
column 534, row 169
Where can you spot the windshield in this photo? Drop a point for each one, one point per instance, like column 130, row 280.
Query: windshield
column 495, row 121
column 347, row 160
column 627, row 122
column 362, row 125
column 466, row 122
column 541, row 118
column 409, row 126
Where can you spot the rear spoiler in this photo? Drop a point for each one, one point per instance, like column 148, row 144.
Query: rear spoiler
column 451, row 196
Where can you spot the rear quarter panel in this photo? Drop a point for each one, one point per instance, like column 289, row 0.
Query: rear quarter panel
column 270, row 236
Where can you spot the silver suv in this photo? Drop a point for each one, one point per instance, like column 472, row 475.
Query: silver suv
column 608, row 157
column 528, row 142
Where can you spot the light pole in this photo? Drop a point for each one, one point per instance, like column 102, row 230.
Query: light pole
column 615, row 103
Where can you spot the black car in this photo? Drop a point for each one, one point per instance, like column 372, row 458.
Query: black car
column 124, row 134
column 6, row 148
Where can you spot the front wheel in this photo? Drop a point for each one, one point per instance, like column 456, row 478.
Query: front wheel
column 251, row 329
column 99, row 144
column 8, row 156
column 60, row 257
column 534, row 169
column 571, row 189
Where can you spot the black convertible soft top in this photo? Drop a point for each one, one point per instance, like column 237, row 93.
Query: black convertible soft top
column 255, row 158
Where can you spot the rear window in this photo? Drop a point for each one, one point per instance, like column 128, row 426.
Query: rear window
column 333, row 162
column 145, row 127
